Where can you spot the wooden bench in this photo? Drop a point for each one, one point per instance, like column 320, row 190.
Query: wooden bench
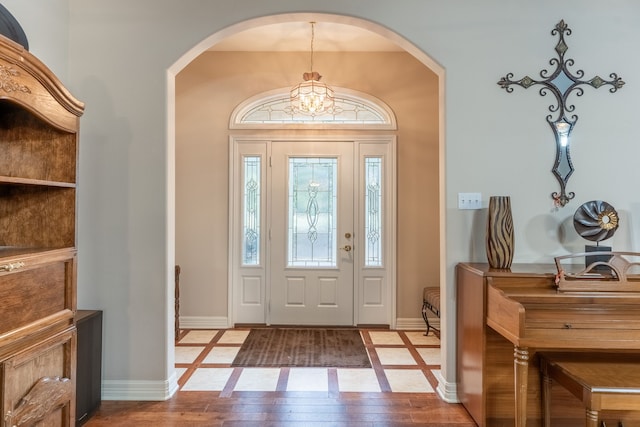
column 430, row 302
column 602, row 381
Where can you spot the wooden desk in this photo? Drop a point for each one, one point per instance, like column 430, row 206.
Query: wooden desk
column 505, row 316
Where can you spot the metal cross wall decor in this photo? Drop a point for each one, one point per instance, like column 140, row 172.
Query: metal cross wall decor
column 561, row 83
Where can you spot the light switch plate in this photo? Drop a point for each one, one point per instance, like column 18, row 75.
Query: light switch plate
column 469, row 200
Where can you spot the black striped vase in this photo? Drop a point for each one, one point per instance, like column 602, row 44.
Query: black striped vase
column 499, row 232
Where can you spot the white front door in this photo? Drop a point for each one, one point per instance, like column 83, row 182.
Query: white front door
column 311, row 233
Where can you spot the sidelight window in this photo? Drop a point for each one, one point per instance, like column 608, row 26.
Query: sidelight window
column 373, row 211
column 251, row 218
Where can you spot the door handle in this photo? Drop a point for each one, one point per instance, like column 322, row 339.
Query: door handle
column 346, row 248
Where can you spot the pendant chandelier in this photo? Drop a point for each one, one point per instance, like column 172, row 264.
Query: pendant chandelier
column 311, row 96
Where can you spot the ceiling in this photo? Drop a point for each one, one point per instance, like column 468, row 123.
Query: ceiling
column 296, row 36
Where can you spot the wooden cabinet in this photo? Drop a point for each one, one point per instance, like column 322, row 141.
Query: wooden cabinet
column 38, row 179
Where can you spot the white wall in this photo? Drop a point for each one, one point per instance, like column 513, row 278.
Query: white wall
column 46, row 25
column 496, row 143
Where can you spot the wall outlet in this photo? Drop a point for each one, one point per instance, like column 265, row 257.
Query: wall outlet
column 469, row 200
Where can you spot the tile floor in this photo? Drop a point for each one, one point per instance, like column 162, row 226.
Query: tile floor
column 402, row 361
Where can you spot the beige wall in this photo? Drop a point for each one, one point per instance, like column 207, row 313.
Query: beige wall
column 206, row 93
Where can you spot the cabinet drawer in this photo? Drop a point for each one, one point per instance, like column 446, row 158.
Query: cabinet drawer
column 593, row 317
column 37, row 291
column 43, row 375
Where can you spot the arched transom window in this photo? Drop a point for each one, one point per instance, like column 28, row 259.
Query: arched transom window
column 351, row 110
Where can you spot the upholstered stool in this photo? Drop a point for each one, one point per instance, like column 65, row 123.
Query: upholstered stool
column 430, row 302
column 602, row 381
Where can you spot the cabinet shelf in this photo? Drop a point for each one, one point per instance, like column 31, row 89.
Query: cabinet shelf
column 33, row 149
column 37, row 216
column 10, row 180
column 20, row 251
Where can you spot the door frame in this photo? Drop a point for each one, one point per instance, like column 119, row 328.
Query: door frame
column 384, row 310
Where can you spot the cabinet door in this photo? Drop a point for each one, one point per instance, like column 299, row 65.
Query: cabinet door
column 37, row 292
column 38, row 384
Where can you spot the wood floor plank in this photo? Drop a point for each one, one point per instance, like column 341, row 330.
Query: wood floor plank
column 208, row 409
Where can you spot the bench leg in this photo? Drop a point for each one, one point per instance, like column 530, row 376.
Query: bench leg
column 424, row 316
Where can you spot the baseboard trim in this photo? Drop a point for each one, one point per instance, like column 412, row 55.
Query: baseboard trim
column 222, row 322
column 204, row 322
column 140, row 390
column 446, row 390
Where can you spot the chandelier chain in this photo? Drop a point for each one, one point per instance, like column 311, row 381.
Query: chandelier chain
column 311, row 96
column 313, row 36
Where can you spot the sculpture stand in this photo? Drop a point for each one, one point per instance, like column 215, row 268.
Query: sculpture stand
column 590, row 259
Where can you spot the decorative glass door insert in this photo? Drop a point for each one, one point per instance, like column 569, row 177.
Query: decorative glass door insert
column 312, row 212
column 373, row 212
column 251, row 211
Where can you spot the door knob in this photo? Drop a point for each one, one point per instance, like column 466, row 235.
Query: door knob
column 346, row 248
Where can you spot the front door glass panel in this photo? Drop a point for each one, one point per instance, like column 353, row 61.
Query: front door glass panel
column 312, row 212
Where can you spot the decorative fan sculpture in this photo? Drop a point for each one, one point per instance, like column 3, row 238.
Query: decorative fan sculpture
column 596, row 220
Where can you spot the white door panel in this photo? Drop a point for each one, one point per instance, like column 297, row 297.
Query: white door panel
column 312, row 205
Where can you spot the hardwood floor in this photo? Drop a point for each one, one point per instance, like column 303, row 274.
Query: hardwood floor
column 286, row 409
column 388, row 405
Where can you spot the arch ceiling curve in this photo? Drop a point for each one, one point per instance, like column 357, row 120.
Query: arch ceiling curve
column 380, row 37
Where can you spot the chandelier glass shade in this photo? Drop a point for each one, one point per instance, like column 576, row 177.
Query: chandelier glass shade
column 312, row 96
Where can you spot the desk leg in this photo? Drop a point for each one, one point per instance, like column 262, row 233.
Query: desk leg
column 521, row 370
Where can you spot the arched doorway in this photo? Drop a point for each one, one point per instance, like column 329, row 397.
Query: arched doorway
column 408, row 183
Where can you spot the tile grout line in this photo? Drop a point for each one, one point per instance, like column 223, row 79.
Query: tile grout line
column 375, row 362
column 227, row 390
column 197, row 362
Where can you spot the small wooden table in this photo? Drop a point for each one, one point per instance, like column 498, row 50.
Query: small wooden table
column 602, row 381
